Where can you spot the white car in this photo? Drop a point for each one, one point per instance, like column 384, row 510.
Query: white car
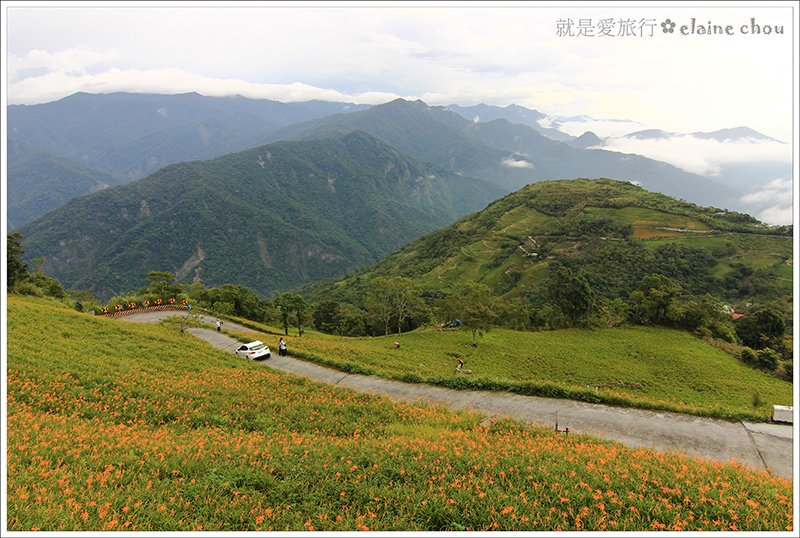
column 254, row 351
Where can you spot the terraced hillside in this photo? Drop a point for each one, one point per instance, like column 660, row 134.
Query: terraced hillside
column 613, row 231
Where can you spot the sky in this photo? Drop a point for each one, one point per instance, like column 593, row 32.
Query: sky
column 674, row 66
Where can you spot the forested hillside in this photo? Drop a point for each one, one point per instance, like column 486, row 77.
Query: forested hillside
column 269, row 218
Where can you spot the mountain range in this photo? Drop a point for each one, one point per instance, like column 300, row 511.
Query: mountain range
column 121, row 137
column 721, row 135
column 268, row 218
column 127, row 136
column 325, row 188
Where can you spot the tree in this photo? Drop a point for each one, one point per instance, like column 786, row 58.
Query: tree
column 611, row 313
column 658, row 293
column 326, row 316
column 162, row 285
column 474, row 305
column 232, row 299
column 405, row 299
column 84, row 300
column 379, row 303
column 761, row 329
column 293, row 308
column 351, row 320
column 394, row 299
column 182, row 323
column 16, row 269
column 571, row 292
column 343, row 319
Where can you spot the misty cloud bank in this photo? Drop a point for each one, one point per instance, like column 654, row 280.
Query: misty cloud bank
column 703, row 156
column 773, row 202
column 767, row 197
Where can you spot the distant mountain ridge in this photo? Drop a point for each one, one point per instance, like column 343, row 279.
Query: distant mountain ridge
column 269, row 218
column 126, row 136
column 130, row 135
column 720, row 135
column 48, row 182
column 513, row 114
column 510, row 155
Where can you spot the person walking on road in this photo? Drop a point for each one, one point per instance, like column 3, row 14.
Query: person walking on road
column 219, row 326
column 282, row 347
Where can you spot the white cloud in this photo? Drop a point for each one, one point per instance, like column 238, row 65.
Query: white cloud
column 517, row 163
column 776, row 190
column 703, row 156
column 56, row 84
column 772, row 203
column 72, row 62
column 777, row 215
column 485, row 53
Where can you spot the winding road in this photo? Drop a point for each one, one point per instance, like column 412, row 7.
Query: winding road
column 762, row 446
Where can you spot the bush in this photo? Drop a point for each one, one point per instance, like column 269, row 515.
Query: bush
column 748, row 356
column 767, row 359
column 28, row 288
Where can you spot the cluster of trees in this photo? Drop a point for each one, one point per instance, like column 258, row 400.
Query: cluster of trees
column 397, row 304
column 24, row 282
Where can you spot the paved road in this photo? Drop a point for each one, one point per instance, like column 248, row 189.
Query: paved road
column 763, row 446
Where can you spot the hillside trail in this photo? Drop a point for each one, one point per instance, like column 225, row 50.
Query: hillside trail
column 761, row 446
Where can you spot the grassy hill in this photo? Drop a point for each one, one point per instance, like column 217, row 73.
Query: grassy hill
column 117, row 426
column 613, row 231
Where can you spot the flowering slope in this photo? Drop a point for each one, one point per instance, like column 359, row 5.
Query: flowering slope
column 115, row 426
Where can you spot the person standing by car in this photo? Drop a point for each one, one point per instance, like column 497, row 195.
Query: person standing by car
column 282, row 347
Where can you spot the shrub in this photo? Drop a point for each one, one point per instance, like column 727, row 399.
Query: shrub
column 767, row 359
column 748, row 356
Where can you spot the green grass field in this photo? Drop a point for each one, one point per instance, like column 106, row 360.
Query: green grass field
column 123, row 426
column 647, row 367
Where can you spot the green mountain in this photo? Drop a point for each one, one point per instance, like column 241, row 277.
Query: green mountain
column 268, row 218
column 121, row 137
column 432, row 134
column 613, row 232
column 509, row 154
column 44, row 182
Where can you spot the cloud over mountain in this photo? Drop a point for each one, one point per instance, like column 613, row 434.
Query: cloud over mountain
column 772, row 203
column 702, row 156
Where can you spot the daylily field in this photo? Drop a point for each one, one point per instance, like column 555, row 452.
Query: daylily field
column 120, row 426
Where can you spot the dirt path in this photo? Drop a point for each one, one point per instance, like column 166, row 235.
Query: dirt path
column 761, row 446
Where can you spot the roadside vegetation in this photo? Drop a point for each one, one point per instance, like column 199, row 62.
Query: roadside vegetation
column 645, row 367
column 118, row 426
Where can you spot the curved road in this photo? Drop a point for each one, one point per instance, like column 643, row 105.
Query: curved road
column 762, row 446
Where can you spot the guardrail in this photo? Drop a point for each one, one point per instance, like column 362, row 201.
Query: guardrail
column 118, row 313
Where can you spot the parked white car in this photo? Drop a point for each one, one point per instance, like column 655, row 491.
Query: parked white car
column 254, row 351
